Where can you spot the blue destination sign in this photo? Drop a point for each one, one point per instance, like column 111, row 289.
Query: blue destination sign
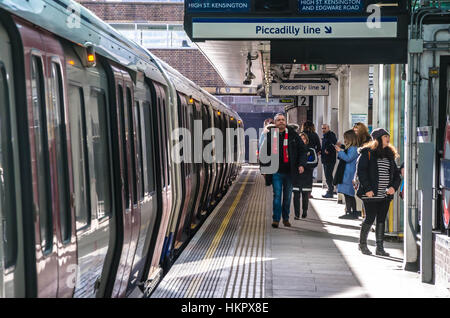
column 218, row 5
column 330, row 5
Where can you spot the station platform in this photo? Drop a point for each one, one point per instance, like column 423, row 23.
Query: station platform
column 237, row 254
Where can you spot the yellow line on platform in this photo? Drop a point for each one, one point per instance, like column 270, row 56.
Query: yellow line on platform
column 196, row 283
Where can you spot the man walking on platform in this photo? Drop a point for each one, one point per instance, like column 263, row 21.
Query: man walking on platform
column 283, row 143
column 328, row 157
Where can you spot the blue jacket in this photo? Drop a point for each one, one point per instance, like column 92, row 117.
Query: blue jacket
column 346, row 187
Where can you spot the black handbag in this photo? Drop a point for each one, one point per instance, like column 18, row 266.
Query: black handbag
column 339, row 174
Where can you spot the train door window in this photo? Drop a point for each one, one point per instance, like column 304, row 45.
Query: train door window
column 163, row 143
column 147, row 147
column 7, row 191
column 141, row 163
column 191, row 124
column 98, row 146
column 124, row 129
column 58, row 133
column 43, row 205
column 166, row 140
column 79, row 156
column 131, row 141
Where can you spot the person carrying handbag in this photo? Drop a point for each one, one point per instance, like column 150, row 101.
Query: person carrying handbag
column 347, row 157
column 378, row 178
column 302, row 185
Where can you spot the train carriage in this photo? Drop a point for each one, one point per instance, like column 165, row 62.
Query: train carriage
column 91, row 201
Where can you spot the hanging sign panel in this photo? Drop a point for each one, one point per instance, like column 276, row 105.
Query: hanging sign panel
column 218, row 6
column 292, row 28
column 297, row 89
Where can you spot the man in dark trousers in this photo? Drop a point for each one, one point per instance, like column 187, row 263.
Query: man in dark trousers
column 328, row 157
column 287, row 154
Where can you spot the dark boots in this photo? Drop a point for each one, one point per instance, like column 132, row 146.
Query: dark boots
column 365, row 229
column 379, row 234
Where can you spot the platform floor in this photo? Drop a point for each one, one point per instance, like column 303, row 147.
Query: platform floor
column 237, row 253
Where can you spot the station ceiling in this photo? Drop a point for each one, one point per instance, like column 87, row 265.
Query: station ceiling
column 230, row 60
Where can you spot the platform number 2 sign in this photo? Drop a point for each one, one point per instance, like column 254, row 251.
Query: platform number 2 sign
column 303, row 101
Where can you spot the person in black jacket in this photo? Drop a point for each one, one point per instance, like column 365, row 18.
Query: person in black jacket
column 378, row 177
column 314, row 140
column 328, row 155
column 283, row 154
column 303, row 182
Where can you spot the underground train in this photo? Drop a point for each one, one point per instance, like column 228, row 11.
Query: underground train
column 92, row 203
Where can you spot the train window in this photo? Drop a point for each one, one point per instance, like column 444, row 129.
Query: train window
column 163, row 143
column 44, row 204
column 131, row 141
column 147, row 147
column 98, row 145
column 7, row 190
column 79, row 155
column 122, row 113
column 137, row 115
column 166, row 140
column 57, row 137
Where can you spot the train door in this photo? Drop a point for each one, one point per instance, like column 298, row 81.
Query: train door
column 147, row 191
column 186, row 177
column 89, row 114
column 130, row 207
column 207, row 123
column 199, row 167
column 11, row 261
column 163, row 174
column 226, row 142
column 54, row 223
column 218, row 140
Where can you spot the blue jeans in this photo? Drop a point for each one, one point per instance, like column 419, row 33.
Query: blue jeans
column 282, row 185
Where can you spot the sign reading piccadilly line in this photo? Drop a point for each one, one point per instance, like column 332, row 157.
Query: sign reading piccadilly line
column 330, row 6
column 292, row 28
column 218, row 6
column 297, row 89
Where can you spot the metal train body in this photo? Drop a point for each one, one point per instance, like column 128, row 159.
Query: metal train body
column 91, row 202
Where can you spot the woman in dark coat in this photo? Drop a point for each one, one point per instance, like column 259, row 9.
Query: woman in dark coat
column 314, row 140
column 378, row 177
column 302, row 184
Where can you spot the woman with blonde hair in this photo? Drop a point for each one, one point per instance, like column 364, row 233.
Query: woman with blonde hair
column 378, row 179
column 348, row 157
column 362, row 132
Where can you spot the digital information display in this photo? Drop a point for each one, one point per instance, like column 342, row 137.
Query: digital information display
column 218, row 5
column 305, row 6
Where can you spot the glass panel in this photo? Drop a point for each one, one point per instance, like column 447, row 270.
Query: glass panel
column 78, row 142
column 8, row 224
column 154, row 36
column 177, row 37
column 141, row 162
column 166, row 140
column 57, row 132
column 99, row 163
column 131, row 141
column 147, row 147
column 124, row 132
column 43, row 205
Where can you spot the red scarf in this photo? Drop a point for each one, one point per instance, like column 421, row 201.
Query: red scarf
column 285, row 145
